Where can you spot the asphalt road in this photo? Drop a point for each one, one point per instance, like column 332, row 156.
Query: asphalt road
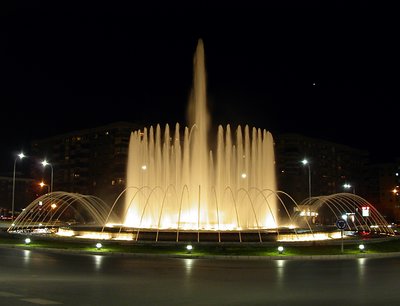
column 35, row 277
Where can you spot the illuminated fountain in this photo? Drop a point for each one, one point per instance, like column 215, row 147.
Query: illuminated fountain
column 175, row 181
column 83, row 216
column 181, row 189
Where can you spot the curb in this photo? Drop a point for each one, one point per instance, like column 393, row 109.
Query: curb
column 214, row 257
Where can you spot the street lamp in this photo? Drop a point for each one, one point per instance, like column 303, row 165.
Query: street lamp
column 348, row 186
column 42, row 184
column 20, row 156
column 45, row 163
column 53, row 207
column 307, row 163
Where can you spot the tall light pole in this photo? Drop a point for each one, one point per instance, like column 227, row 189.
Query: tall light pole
column 307, row 163
column 19, row 156
column 42, row 184
column 348, row 186
column 45, row 163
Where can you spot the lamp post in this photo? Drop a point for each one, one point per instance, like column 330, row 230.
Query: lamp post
column 20, row 156
column 348, row 186
column 53, row 207
column 45, row 163
column 307, row 163
column 42, row 184
column 395, row 192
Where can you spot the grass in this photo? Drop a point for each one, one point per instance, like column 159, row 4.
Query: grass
column 200, row 249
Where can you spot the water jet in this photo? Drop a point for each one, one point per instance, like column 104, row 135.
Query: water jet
column 180, row 188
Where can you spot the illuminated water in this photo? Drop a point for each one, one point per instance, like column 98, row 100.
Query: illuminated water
column 176, row 180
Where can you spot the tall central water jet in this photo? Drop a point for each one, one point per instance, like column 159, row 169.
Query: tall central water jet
column 178, row 182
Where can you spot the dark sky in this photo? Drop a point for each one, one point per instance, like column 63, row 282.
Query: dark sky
column 328, row 71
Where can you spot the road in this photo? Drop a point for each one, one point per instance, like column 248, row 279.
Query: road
column 35, row 277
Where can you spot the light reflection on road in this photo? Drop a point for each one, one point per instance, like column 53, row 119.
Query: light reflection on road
column 82, row 279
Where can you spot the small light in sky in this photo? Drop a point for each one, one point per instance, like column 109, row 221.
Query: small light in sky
column 314, row 84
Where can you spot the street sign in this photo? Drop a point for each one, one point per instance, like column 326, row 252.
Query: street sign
column 341, row 224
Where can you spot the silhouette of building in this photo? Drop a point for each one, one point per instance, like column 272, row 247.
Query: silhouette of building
column 91, row 161
column 382, row 183
column 25, row 192
column 332, row 166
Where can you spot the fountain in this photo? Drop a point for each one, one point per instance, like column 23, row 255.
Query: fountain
column 175, row 181
column 180, row 189
column 83, row 216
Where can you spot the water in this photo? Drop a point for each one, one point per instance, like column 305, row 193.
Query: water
column 176, row 181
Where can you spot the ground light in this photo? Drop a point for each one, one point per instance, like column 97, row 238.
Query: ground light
column 99, row 245
column 27, row 240
column 280, row 249
column 189, row 248
column 361, row 247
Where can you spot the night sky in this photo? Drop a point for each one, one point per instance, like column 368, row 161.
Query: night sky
column 325, row 71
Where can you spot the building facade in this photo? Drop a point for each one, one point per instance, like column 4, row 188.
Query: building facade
column 382, row 183
column 331, row 166
column 25, row 191
column 91, row 161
